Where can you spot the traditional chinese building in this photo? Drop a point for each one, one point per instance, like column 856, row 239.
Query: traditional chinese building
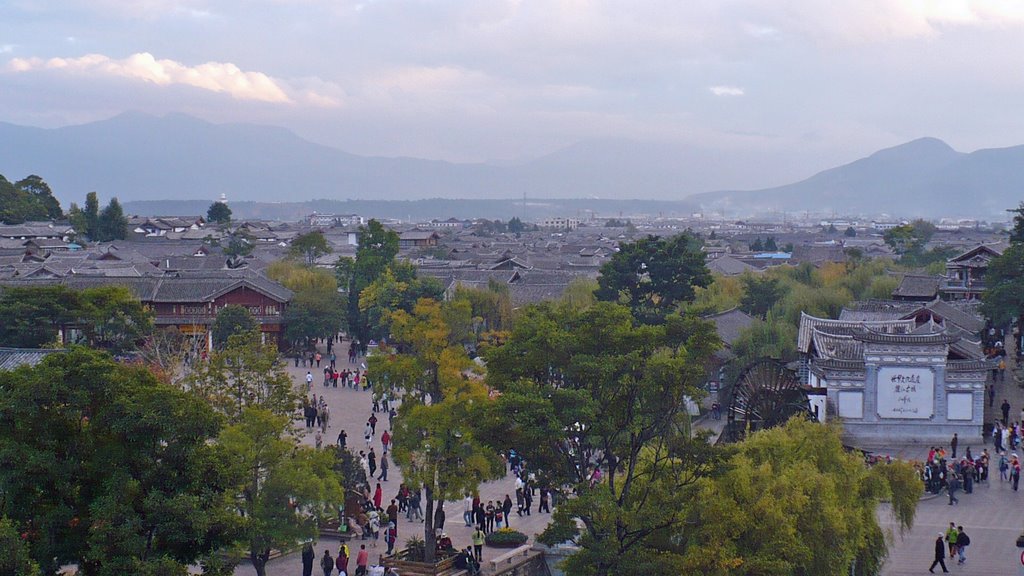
column 190, row 302
column 897, row 380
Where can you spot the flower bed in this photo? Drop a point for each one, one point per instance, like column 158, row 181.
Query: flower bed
column 506, row 538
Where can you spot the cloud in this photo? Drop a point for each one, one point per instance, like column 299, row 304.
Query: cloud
column 6, row 48
column 219, row 77
column 722, row 90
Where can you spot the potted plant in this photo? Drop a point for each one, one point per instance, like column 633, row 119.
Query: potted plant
column 505, row 538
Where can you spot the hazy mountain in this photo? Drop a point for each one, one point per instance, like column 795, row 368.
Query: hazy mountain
column 141, row 157
column 924, row 177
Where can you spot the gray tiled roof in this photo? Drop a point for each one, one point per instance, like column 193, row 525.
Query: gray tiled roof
column 179, row 288
column 917, row 286
column 11, row 358
column 731, row 323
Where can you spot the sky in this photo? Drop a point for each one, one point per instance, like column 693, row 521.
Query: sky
column 809, row 82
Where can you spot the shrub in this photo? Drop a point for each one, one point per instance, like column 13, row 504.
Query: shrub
column 506, row 537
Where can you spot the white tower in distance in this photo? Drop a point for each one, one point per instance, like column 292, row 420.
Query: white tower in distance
column 223, row 198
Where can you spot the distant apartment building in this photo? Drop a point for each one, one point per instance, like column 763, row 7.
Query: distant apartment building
column 336, row 220
column 560, row 223
column 448, row 224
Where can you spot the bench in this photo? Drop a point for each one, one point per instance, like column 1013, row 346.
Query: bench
column 508, row 557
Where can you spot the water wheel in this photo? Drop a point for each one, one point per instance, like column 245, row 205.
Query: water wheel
column 766, row 394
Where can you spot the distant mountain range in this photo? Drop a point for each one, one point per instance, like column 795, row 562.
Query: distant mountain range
column 924, row 177
column 139, row 157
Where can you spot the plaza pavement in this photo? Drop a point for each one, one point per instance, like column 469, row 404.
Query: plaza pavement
column 349, row 409
column 991, row 516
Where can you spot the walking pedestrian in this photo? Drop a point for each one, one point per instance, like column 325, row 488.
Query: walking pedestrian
column 467, row 510
column 383, row 468
column 309, row 380
column 1015, row 472
column 371, row 459
column 1005, row 408
column 952, row 486
column 991, row 395
column 342, row 561
column 308, row 554
column 940, row 555
column 953, row 444
column 390, row 535
column 327, row 563
column 962, row 542
column 362, row 560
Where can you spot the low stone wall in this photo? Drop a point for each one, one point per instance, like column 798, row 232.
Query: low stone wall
column 530, row 564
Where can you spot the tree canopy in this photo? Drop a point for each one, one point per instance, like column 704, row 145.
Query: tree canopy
column 654, row 275
column 792, row 501
column 285, row 491
column 27, row 199
column 377, row 249
column 590, row 388
column 310, row 246
column 317, row 310
column 436, row 434
column 231, row 319
column 1003, row 300
column 112, row 223
column 108, row 317
column 218, row 213
column 246, row 373
column 105, row 467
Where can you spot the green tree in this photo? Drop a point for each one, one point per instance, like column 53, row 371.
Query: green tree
column 377, row 249
column 1003, row 300
column 397, row 288
column 40, row 195
column 436, row 443
column 286, row 490
column 310, row 247
column 770, row 245
column 239, row 244
column 756, row 245
column 218, row 213
column 909, row 238
column 107, row 317
column 112, row 223
column 113, row 318
column 33, row 316
column 760, row 293
column 92, row 216
column 76, row 217
column 15, row 559
column 317, row 310
column 793, row 501
column 654, row 275
column 1017, row 232
column 17, row 205
column 591, row 388
column 312, row 315
column 105, row 467
column 515, row 225
column 850, row 232
column 232, row 319
column 246, row 373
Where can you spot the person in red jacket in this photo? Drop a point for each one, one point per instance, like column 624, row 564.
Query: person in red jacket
column 362, row 560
